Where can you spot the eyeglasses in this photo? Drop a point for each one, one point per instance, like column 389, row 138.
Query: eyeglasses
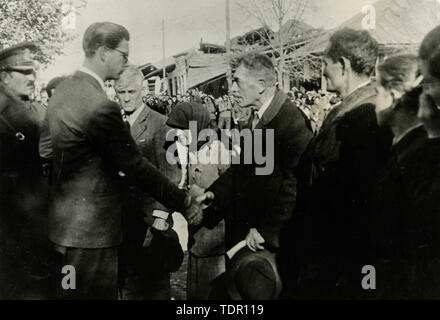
column 124, row 54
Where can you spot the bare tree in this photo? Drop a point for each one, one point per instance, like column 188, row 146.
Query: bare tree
column 284, row 16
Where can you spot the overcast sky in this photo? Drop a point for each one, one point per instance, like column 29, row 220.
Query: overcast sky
column 186, row 22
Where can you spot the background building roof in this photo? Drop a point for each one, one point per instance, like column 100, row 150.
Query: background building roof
column 398, row 22
column 205, row 67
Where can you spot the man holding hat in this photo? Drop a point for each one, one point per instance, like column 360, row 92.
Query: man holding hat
column 20, row 202
column 256, row 206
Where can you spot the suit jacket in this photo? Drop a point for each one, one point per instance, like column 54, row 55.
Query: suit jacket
column 149, row 131
column 265, row 202
column 92, row 146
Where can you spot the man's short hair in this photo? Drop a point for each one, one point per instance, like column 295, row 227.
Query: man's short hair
column 358, row 46
column 106, row 34
column 257, row 63
column 130, row 74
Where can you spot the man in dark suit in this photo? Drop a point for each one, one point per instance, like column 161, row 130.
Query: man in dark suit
column 92, row 150
column 145, row 277
column 256, row 205
column 337, row 173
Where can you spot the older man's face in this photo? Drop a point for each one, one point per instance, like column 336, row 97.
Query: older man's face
column 245, row 87
column 21, row 82
column 129, row 94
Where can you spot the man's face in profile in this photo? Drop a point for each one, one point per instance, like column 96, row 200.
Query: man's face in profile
column 21, row 82
column 117, row 59
column 245, row 87
column 333, row 74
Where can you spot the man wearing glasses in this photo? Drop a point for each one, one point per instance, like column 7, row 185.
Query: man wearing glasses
column 92, row 151
column 21, row 203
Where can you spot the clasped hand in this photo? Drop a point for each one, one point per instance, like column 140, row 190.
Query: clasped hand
column 200, row 200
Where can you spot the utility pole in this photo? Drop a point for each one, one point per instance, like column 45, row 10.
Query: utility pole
column 228, row 45
column 164, row 79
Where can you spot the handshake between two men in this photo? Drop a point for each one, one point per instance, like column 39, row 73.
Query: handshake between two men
column 200, row 200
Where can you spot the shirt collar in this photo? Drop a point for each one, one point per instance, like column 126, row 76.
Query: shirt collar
column 396, row 140
column 361, row 85
column 264, row 107
column 94, row 75
column 132, row 117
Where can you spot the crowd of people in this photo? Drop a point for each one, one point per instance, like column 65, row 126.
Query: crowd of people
column 315, row 104
column 100, row 176
column 220, row 108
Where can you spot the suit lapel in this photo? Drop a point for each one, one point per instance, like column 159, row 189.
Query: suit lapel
column 273, row 109
column 140, row 124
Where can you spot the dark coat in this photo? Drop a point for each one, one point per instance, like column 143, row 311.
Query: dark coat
column 19, row 160
column 92, row 146
column 22, row 198
column 149, row 132
column 405, row 220
column 393, row 239
column 337, row 173
column 265, row 202
column 18, row 157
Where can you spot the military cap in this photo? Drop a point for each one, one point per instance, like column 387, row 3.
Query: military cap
column 18, row 57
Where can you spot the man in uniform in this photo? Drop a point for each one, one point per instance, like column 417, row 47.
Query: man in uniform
column 22, row 225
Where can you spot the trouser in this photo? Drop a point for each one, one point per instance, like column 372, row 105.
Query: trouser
column 86, row 274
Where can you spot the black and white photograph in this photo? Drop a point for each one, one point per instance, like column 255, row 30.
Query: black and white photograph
column 219, row 151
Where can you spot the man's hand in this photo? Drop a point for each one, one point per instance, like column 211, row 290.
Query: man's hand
column 199, row 202
column 254, row 240
column 195, row 190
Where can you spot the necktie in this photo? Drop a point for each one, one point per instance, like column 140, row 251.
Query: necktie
column 125, row 119
column 255, row 119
